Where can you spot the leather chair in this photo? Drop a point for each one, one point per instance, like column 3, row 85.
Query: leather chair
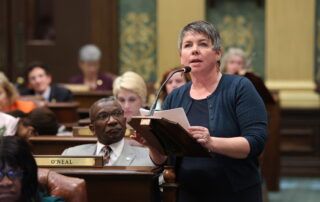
column 71, row 189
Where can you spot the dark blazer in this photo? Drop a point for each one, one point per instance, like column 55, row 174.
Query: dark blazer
column 57, row 94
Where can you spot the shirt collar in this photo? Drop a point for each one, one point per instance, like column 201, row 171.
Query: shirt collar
column 116, row 147
column 45, row 94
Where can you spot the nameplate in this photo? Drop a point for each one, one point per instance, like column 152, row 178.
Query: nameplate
column 82, row 131
column 68, row 161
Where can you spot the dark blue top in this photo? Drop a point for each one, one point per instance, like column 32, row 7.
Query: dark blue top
column 198, row 115
column 234, row 109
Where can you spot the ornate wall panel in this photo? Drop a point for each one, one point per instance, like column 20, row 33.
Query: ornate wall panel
column 241, row 24
column 137, row 44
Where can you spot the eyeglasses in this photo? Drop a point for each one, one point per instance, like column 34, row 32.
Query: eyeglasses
column 12, row 175
column 105, row 116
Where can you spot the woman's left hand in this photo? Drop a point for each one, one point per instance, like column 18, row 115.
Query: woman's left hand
column 202, row 135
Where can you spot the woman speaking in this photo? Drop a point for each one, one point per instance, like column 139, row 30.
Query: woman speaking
column 227, row 117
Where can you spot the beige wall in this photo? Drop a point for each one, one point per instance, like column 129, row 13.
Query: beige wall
column 290, row 42
column 172, row 15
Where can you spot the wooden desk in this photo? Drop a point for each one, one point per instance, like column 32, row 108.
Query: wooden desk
column 300, row 142
column 270, row 166
column 84, row 122
column 66, row 112
column 117, row 183
column 54, row 145
column 86, row 99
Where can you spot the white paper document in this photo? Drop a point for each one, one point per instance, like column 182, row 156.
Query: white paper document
column 177, row 115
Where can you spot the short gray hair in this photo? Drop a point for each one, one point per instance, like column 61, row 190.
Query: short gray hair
column 89, row 52
column 230, row 53
column 202, row 27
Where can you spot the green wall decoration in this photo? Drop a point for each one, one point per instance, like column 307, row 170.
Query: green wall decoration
column 137, row 44
column 241, row 24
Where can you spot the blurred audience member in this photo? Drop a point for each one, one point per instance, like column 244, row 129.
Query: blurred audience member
column 19, row 174
column 177, row 80
column 131, row 92
column 19, row 171
column 9, row 97
column 8, row 124
column 234, row 62
column 89, row 63
column 17, row 114
column 40, row 121
column 40, row 84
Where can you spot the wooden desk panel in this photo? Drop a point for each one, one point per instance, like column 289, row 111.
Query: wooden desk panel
column 300, row 142
column 117, row 183
column 54, row 145
column 270, row 167
column 86, row 99
column 66, row 112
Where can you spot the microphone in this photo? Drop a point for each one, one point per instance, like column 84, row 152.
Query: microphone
column 186, row 69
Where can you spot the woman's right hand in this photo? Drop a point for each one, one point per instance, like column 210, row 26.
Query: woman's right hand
column 155, row 155
column 138, row 137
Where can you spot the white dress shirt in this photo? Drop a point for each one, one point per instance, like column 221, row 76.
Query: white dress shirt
column 115, row 153
column 45, row 94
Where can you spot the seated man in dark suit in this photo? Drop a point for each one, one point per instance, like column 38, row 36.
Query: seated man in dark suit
column 39, row 83
column 109, row 125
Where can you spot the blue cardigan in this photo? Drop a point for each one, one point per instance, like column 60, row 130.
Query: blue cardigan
column 235, row 109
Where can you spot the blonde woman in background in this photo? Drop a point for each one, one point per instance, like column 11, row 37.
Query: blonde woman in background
column 9, row 97
column 131, row 92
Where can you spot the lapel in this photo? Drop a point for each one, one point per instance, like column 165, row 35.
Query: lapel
column 127, row 155
column 87, row 149
column 52, row 93
column 93, row 149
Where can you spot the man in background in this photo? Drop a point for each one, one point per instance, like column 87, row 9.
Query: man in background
column 40, row 84
column 109, row 125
